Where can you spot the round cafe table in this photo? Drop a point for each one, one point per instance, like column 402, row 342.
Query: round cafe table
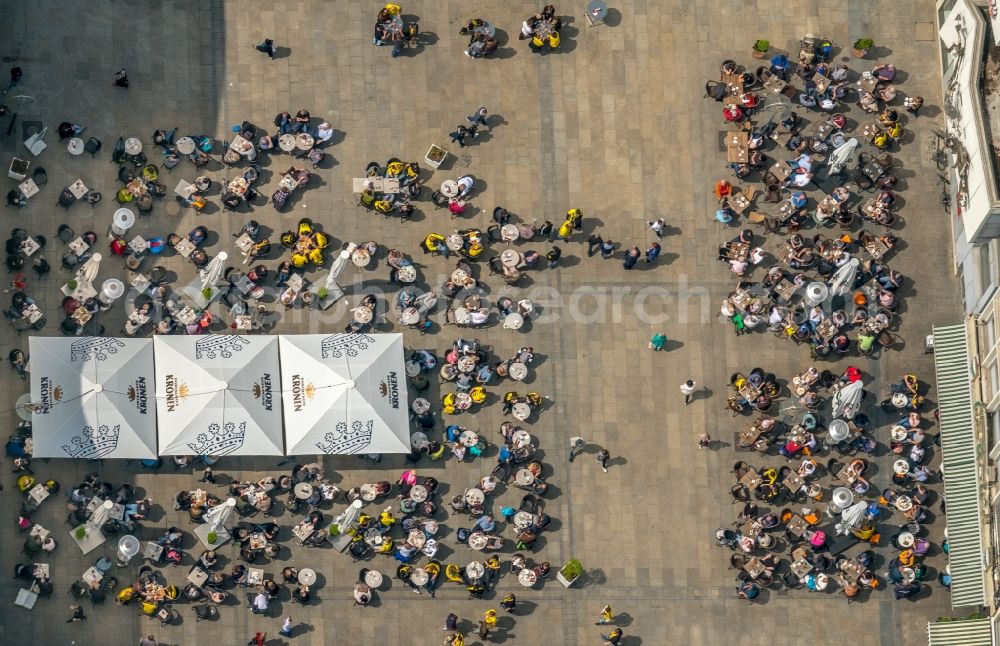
column 527, row 230
column 185, row 145
column 407, row 274
column 463, row 401
column 898, row 433
column 362, row 315
column 368, row 492
column 597, row 10
column 454, row 242
column 478, row 541
column 524, row 477
column 521, row 411
column 459, row 276
column 409, row 316
column 411, row 368
column 421, row 406
column 510, row 258
column 522, row 519
column 133, row 146
column 905, row 539
column 900, row 467
column 304, row 141
column 526, row 577
column 520, row 438
column 416, row 538
column 373, row 537
column 509, row 233
column 466, row 364
column 462, row 316
column 373, row 578
column 475, row 496
column 517, row 370
column 303, row 490
column 75, row 146
column 468, row 438
column 475, row 570
column 361, row 258
column 307, row 576
column 418, row 493
column 908, row 574
column 904, row 503
column 286, row 142
column 513, row 321
column 449, row 188
column 418, row 439
column 238, row 186
column 419, row 576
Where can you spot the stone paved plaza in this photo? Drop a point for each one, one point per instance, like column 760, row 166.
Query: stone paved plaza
column 613, row 123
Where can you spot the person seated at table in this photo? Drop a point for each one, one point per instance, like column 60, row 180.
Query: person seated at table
column 885, row 72
column 807, row 100
column 16, row 198
column 172, row 537
column 733, row 113
column 868, row 102
column 301, row 121
column 749, row 100
column 208, row 560
column 197, row 235
column 886, row 93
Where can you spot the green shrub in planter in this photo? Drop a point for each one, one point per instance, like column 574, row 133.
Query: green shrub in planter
column 80, row 533
column 334, row 530
column 212, row 538
column 762, row 46
column 571, row 570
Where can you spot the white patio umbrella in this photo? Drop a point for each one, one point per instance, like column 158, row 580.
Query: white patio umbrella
column 215, row 523
column 100, row 515
column 344, row 394
column 338, row 265
column 847, row 400
column 212, row 272
column 88, row 271
column 841, row 156
column 851, row 517
column 843, row 278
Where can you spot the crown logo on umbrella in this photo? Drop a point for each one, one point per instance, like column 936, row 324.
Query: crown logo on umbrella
column 346, row 441
column 91, row 444
column 337, row 345
column 219, row 440
column 94, row 347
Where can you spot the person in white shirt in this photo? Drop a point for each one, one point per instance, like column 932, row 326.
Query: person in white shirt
column 259, row 605
column 323, row 133
column 687, row 389
column 575, row 446
column 657, row 227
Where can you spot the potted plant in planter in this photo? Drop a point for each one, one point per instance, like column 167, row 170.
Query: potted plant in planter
column 212, row 538
column 80, row 532
column 861, row 47
column 207, row 293
column 760, row 48
column 569, row 572
column 334, row 529
column 72, row 284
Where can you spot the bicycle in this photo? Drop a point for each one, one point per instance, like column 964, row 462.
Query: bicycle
column 945, row 193
column 941, row 146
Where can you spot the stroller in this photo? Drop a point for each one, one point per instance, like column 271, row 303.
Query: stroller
column 807, row 50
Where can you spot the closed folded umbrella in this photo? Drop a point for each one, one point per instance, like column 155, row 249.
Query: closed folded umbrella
column 851, row 517
column 841, row 156
column 847, row 400
column 88, row 272
column 212, row 272
column 843, row 278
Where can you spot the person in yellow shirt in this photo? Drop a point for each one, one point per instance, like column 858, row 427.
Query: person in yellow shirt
column 566, row 230
column 606, row 616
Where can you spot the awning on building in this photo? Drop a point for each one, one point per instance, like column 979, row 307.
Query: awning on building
column 970, row 632
column 962, row 487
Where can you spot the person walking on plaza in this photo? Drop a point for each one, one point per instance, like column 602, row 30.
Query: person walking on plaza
column 656, row 227
column 508, row 602
column 602, row 459
column 121, row 78
column 614, row 638
column 631, row 257
column 148, row 640
column 553, row 256
column 593, row 242
column 704, row 441
column 653, row 252
column 658, row 342
column 267, row 47
column 286, row 628
column 478, row 118
column 687, row 389
column 607, row 249
column 575, row 446
column 77, row 614
column 545, row 231
column 207, row 476
column 259, row 639
column 606, row 616
column 566, row 230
